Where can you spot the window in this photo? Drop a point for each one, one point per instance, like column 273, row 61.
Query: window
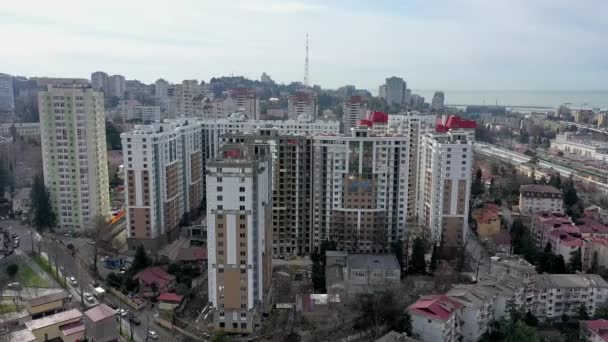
column 242, row 199
column 219, row 189
column 220, row 198
column 242, row 189
column 242, row 207
column 219, row 179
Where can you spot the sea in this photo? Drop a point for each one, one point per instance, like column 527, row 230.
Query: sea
column 576, row 99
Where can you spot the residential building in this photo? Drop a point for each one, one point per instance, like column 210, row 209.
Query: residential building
column 47, row 304
column 29, row 130
column 564, row 243
column 534, row 198
column 395, row 91
column 184, row 95
column 517, row 267
column 302, row 103
column 239, row 235
column 243, row 100
column 116, row 86
column 508, row 290
column 581, row 144
column 595, row 330
column 360, row 188
column 592, row 246
column 74, row 154
column 153, row 281
column 355, row 274
column 478, row 305
column 596, row 213
column 7, row 96
column 132, row 110
column 354, row 109
column 488, row 221
column 292, row 176
column 563, row 294
column 163, row 165
column 445, row 181
column 542, row 223
column 436, row 318
column 437, row 103
column 382, row 91
column 266, row 79
column 100, row 324
column 584, row 116
column 161, row 93
column 66, row 325
column 100, row 82
column 58, row 82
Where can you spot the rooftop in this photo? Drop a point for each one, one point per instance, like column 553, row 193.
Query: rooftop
column 170, row 297
column 550, row 281
column 53, row 297
column 599, row 327
column 71, row 328
column 435, row 307
column 591, row 226
column 53, row 319
column 546, row 189
column 24, row 335
column 373, row 261
column 100, row 312
column 154, row 275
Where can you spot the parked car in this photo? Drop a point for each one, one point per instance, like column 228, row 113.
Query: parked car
column 94, row 283
column 134, row 319
column 88, row 297
column 73, row 281
column 112, row 305
column 14, row 286
column 122, row 312
column 152, row 334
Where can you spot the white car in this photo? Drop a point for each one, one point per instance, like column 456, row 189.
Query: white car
column 152, row 334
column 73, row 281
column 88, row 297
column 122, row 312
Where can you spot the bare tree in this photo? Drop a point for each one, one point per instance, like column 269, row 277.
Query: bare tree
column 96, row 235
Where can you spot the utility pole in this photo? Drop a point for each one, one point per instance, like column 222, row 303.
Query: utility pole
column 147, row 326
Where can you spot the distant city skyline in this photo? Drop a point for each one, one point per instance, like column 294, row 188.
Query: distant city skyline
column 438, row 44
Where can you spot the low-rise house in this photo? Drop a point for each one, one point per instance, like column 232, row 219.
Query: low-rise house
column 544, row 222
column 360, row 273
column 66, row 325
column 507, row 289
column 595, row 330
column 154, row 281
column 436, row 318
column 596, row 213
column 48, row 304
column 564, row 243
column 100, row 323
column 501, row 242
column 595, row 245
column 518, row 268
column 488, row 221
column 563, row 294
column 170, row 301
column 478, row 305
column 534, row 198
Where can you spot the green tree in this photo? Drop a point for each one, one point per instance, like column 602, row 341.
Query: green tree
column 530, row 319
column 595, row 267
column 318, row 265
column 570, row 195
column 12, row 270
column 556, row 180
column 140, row 261
column 220, row 336
column 575, row 264
column 601, row 312
column 418, row 262
column 434, row 257
column 582, row 313
column 397, row 250
column 517, row 332
column 113, row 137
column 43, row 215
column 477, row 184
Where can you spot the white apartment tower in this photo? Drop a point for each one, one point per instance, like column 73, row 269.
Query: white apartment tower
column 116, row 86
column 445, row 181
column 73, row 139
column 438, row 101
column 360, row 188
column 7, row 97
column 184, row 95
column 302, row 103
column 163, row 179
column 354, row 109
column 395, row 91
column 161, row 93
column 242, row 100
column 239, row 234
column 100, row 81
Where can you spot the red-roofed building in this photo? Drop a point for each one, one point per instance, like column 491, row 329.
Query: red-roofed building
column 163, row 280
column 170, row 301
column 595, row 245
column 378, row 118
column 487, row 219
column 589, row 227
column 595, row 330
column 100, row 323
column 453, row 122
column 543, row 223
column 436, row 318
column 564, row 242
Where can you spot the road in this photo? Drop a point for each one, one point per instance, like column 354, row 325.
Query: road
column 78, row 266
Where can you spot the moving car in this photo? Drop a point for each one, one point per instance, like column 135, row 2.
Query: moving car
column 122, row 312
column 152, row 334
column 73, row 281
column 134, row 319
column 88, row 297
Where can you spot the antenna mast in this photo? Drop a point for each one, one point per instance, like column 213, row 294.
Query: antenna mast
column 306, row 64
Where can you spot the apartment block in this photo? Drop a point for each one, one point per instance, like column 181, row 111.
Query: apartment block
column 436, row 318
column 161, row 93
column 29, row 130
column 535, row 197
column 183, row 96
column 116, row 86
column 354, row 109
column 74, row 154
column 595, row 330
column 542, row 223
column 292, row 173
column 445, row 181
column 302, row 103
column 355, row 274
column 242, row 100
column 100, row 81
column 239, row 235
column 360, row 188
column 7, row 96
column 163, row 179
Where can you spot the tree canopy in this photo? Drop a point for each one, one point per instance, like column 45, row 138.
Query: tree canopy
column 43, row 215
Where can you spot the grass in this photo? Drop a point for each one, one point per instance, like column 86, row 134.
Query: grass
column 27, row 277
column 6, row 308
column 46, row 266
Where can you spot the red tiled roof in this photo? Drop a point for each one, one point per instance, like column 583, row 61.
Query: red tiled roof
column 487, row 216
column 566, row 239
column 364, row 122
column 71, row 328
column 100, row 312
column 378, row 117
column 502, row 238
column 454, row 122
column 170, row 297
column 591, row 226
column 155, row 275
column 599, row 327
column 191, row 254
column 435, row 307
column 539, row 188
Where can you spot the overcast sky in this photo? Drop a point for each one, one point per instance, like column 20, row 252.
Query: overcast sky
column 433, row 44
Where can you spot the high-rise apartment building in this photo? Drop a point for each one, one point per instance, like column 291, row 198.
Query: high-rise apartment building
column 116, row 86
column 163, row 179
column 382, row 91
column 73, row 139
column 100, row 81
column 239, row 230
column 242, row 100
column 291, row 187
column 360, row 187
column 184, row 95
column 265, row 78
column 7, row 97
column 354, row 109
column 302, row 103
column 161, row 93
column 395, row 91
column 438, row 101
column 445, row 181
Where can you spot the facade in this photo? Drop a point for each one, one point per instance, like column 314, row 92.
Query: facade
column 100, row 82
column 437, row 103
column 116, row 86
column 488, row 221
column 360, row 188
column 478, row 305
column 154, row 281
column 25, row 130
column 7, row 96
column 239, row 235
column 355, row 274
column 542, row 223
column 354, row 109
column 292, row 170
column 534, row 198
column 163, row 168
column 563, row 294
column 446, row 161
column 131, row 109
column 184, row 95
column 161, row 93
column 581, row 144
column 436, row 318
column 72, row 130
column 302, row 103
column 596, row 213
column 65, row 325
column 395, row 88
column 595, row 330
column 100, row 324
column 47, row 304
column 242, row 100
